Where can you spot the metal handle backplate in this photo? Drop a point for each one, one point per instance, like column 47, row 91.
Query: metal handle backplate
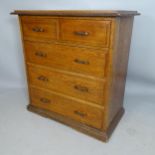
column 79, row 113
column 81, row 88
column 81, row 33
column 79, row 61
column 45, row 100
column 37, row 29
column 43, row 78
column 40, row 54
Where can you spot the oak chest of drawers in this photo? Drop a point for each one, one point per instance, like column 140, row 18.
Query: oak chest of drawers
column 76, row 63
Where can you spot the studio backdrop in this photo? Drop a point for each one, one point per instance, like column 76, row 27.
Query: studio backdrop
column 141, row 72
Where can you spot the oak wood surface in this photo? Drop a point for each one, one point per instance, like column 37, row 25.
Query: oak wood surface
column 78, row 13
column 68, row 108
column 82, row 88
column 76, row 66
column 74, row 59
column 95, row 133
column 89, row 32
column 119, row 62
column 36, row 28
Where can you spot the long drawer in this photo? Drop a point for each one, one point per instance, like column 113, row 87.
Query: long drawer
column 80, row 60
column 75, row 86
column 86, row 114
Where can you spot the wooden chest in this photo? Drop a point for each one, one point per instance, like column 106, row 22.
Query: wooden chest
column 76, row 63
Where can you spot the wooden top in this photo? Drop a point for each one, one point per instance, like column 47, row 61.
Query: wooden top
column 76, row 13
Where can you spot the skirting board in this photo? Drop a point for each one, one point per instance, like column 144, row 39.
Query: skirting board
column 100, row 135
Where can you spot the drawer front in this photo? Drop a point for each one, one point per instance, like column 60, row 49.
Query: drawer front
column 69, row 108
column 39, row 28
column 82, row 88
column 88, row 32
column 80, row 60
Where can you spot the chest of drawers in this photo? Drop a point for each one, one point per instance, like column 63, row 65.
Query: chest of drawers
column 76, row 64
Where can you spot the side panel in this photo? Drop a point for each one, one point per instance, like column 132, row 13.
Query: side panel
column 119, row 65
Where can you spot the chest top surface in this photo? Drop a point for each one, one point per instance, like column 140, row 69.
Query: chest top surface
column 76, row 13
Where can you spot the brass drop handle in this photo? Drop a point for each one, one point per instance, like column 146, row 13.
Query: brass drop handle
column 81, row 88
column 79, row 113
column 79, row 61
column 45, row 100
column 37, row 29
column 40, row 54
column 81, row 33
column 43, row 78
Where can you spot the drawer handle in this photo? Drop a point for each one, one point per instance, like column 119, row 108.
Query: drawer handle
column 37, row 29
column 43, row 78
column 81, row 33
column 81, row 88
column 41, row 54
column 84, row 62
column 45, row 100
column 79, row 113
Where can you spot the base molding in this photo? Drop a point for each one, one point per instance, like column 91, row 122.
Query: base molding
column 96, row 133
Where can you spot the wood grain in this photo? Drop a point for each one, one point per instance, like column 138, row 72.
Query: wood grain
column 82, row 88
column 75, row 110
column 76, row 63
column 120, row 64
column 39, row 29
column 89, row 32
column 69, row 58
column 95, row 133
column 78, row 13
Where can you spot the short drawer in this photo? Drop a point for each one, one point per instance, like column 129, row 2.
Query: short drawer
column 72, row 109
column 68, row 84
column 37, row 28
column 80, row 60
column 86, row 32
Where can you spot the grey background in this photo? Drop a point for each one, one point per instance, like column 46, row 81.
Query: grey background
column 141, row 72
column 24, row 133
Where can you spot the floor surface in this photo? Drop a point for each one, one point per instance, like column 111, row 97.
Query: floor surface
column 25, row 133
